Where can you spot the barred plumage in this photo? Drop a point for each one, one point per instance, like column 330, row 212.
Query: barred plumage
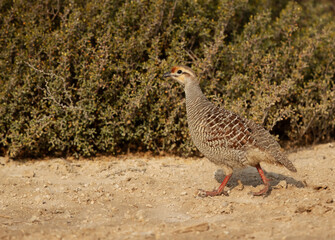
column 224, row 137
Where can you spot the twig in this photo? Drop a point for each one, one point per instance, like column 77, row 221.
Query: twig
column 50, row 94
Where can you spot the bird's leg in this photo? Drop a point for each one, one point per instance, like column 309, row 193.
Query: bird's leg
column 265, row 181
column 217, row 192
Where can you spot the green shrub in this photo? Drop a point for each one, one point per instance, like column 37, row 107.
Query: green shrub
column 84, row 77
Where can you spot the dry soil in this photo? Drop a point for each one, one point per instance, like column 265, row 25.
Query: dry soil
column 134, row 197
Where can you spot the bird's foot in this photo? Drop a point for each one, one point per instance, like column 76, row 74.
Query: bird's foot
column 203, row 193
column 262, row 192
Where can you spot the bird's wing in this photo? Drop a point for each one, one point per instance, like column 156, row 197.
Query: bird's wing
column 227, row 129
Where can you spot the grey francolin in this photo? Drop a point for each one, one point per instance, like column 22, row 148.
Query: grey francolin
column 224, row 137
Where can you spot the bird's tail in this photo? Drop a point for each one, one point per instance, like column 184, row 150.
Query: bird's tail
column 282, row 159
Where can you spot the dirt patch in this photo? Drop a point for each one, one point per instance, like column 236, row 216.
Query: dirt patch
column 154, row 198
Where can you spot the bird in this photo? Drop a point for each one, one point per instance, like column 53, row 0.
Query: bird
column 224, row 137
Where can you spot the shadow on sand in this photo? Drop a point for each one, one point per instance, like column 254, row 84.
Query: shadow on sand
column 250, row 177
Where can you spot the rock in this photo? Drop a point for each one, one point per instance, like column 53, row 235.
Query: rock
column 38, row 199
column 320, row 187
column 228, row 209
column 4, row 161
column 240, row 185
column 140, row 215
column 34, row 219
column 281, row 185
column 303, row 209
column 202, row 227
column 29, row 174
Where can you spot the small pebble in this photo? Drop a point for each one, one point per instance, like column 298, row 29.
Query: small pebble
column 281, row 184
column 34, row 219
column 240, row 185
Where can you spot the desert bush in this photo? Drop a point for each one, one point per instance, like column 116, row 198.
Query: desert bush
column 84, row 77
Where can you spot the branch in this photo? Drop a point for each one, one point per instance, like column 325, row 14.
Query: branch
column 50, row 94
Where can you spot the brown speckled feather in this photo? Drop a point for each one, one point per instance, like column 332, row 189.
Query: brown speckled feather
column 226, row 128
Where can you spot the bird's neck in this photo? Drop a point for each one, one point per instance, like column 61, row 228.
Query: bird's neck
column 195, row 103
column 196, row 108
column 193, row 92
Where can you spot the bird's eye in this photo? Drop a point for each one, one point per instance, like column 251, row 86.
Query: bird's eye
column 179, row 71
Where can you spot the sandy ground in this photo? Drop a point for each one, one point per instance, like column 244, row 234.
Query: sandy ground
column 154, row 198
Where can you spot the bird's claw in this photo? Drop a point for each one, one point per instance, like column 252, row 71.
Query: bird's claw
column 201, row 193
column 264, row 192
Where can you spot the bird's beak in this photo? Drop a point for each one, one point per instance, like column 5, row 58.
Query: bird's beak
column 167, row 75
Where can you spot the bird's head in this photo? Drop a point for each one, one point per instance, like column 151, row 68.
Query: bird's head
column 182, row 74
